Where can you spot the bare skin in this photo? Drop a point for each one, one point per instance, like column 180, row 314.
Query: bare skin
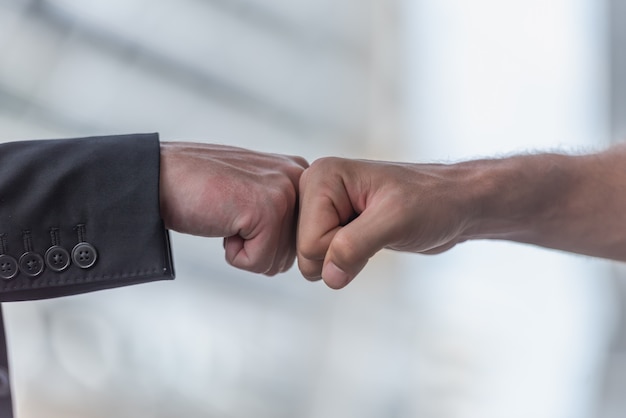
column 247, row 197
column 351, row 209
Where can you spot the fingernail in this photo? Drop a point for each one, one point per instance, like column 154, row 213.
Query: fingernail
column 334, row 276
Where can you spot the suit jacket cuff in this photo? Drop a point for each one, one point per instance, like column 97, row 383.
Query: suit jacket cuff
column 78, row 215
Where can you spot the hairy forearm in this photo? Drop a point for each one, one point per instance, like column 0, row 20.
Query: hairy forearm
column 571, row 203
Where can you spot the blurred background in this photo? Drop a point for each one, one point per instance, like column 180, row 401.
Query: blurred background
column 487, row 330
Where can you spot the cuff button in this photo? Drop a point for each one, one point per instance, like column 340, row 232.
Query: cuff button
column 57, row 258
column 8, row 267
column 84, row 255
column 31, row 264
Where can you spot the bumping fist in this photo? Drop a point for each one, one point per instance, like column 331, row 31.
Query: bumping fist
column 351, row 209
column 247, row 197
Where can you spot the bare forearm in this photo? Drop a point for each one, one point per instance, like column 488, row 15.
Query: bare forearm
column 351, row 209
column 572, row 203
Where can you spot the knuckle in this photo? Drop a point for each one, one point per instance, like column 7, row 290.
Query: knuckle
column 287, row 266
column 311, row 250
column 272, row 272
column 310, row 271
column 288, row 262
column 323, row 169
column 261, row 267
column 304, row 178
column 284, row 190
column 252, row 265
column 345, row 252
column 299, row 161
column 324, row 163
column 312, row 276
column 282, row 201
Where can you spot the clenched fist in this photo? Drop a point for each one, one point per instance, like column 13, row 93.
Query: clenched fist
column 351, row 209
column 247, row 197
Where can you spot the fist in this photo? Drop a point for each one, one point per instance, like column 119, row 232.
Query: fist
column 351, row 209
column 248, row 198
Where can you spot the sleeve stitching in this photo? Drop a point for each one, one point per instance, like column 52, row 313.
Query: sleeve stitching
column 39, row 283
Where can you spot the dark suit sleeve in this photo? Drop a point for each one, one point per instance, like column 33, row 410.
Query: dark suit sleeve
column 78, row 215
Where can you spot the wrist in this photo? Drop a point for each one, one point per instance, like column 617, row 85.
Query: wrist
column 515, row 198
column 164, row 183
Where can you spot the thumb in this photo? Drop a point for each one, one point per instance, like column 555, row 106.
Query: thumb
column 353, row 245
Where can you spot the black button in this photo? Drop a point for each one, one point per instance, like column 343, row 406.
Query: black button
column 8, row 267
column 31, row 264
column 84, row 255
column 57, row 258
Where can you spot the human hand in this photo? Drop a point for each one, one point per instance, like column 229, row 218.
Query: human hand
column 247, row 197
column 351, row 209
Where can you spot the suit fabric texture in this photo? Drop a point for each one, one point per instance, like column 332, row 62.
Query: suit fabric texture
column 78, row 215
